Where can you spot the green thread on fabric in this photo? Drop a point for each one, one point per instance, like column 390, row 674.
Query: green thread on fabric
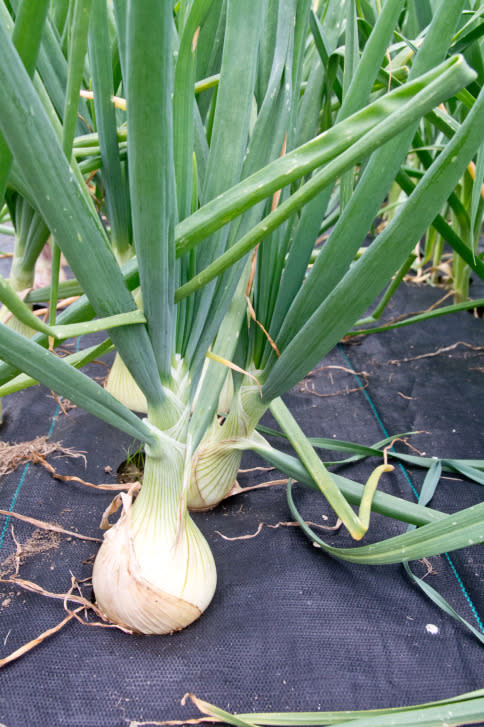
column 378, row 418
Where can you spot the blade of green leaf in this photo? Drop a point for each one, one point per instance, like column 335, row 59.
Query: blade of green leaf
column 183, row 106
column 477, row 187
column 390, row 126
column 185, row 117
column 460, row 709
column 447, row 232
column 472, row 468
column 220, row 715
column 102, row 79
column 466, row 469
column 228, row 147
column 312, row 214
column 57, row 375
column 77, row 53
column 68, row 214
column 266, row 141
column 351, row 58
column 77, row 359
column 368, row 276
column 151, row 167
column 375, row 181
column 383, row 503
column 205, row 407
column 120, row 8
column 444, row 310
column 442, row 603
column 452, row 533
column 315, row 466
column 426, row 493
column 26, row 38
column 296, row 164
column 80, row 310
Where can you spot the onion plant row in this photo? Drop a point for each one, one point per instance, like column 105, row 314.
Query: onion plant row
column 209, row 179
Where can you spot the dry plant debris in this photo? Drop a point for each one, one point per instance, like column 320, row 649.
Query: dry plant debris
column 39, row 542
column 174, row 722
column 254, row 318
column 115, row 504
column 85, row 606
column 35, row 545
column 309, row 388
column 36, row 451
column 438, row 352
column 290, row 524
column 47, row 526
column 408, row 398
column 13, row 455
column 201, row 706
column 387, row 324
column 74, row 478
column 35, row 642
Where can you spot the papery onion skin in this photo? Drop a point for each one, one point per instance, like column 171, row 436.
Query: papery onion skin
column 216, row 461
column 214, row 470
column 129, row 600
column 154, row 572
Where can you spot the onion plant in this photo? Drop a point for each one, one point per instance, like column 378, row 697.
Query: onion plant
column 209, row 179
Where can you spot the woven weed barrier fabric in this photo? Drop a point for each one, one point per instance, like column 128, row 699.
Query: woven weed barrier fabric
column 289, row 627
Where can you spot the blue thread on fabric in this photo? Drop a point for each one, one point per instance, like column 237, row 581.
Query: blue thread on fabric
column 464, row 591
column 12, row 504
column 409, row 481
column 27, row 467
column 22, row 480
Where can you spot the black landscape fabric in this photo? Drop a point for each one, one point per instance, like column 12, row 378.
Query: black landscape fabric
column 289, row 627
